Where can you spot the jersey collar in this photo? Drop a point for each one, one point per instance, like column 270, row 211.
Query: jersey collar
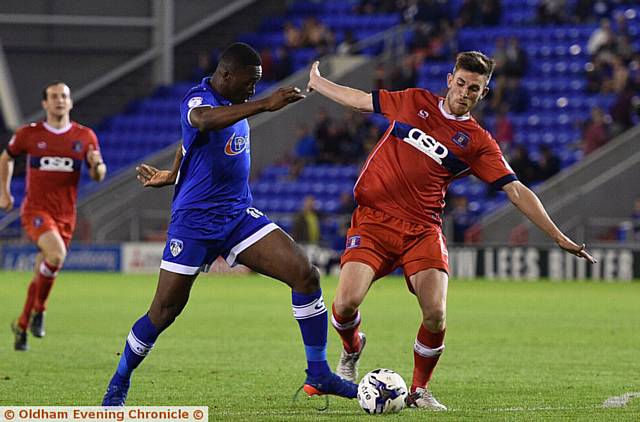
column 56, row 131
column 206, row 84
column 451, row 116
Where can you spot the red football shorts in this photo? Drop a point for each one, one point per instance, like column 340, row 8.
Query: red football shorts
column 385, row 243
column 37, row 222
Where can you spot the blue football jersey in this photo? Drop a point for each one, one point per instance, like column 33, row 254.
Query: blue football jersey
column 214, row 172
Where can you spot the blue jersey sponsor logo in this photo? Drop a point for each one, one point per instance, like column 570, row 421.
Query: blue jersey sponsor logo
column 236, row 145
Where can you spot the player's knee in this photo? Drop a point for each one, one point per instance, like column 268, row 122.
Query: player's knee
column 434, row 319
column 56, row 258
column 345, row 306
column 310, row 280
column 163, row 316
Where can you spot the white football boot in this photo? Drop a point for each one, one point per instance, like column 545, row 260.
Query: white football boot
column 423, row 399
column 348, row 365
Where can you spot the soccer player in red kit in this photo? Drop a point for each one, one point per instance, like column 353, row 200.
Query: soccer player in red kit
column 56, row 149
column 400, row 196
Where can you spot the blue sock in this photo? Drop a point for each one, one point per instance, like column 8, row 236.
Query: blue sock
column 311, row 314
column 141, row 338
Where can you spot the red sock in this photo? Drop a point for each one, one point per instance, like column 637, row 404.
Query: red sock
column 23, row 320
column 45, row 279
column 347, row 328
column 426, row 352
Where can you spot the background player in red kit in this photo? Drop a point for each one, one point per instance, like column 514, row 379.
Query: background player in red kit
column 56, row 149
column 400, row 195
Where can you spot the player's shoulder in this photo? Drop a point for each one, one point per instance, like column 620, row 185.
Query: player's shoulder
column 29, row 128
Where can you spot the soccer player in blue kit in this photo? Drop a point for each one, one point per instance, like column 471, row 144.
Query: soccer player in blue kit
column 212, row 216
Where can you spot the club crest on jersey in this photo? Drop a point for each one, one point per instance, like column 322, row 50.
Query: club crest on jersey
column 194, row 102
column 353, row 242
column 77, row 146
column 461, row 139
column 41, row 145
column 175, row 246
column 236, row 145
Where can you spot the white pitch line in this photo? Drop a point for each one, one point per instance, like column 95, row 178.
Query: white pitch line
column 620, row 401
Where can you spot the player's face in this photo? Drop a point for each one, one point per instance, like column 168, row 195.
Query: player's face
column 465, row 90
column 242, row 83
column 58, row 102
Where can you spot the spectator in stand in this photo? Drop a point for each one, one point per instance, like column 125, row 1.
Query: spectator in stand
column 583, row 11
column 516, row 59
column 306, row 224
column 622, row 111
column 548, row 164
column 619, row 76
column 635, row 219
column 510, row 92
column 292, row 35
column 317, row 35
column 329, row 141
column 490, row 12
column 206, row 65
column 470, row 14
column 405, row 74
column 595, row 132
column 523, row 165
column 268, row 66
column 306, row 147
column 504, row 131
column 552, row 12
column 283, row 65
column 461, row 217
column 347, row 44
column 601, row 39
column 347, row 203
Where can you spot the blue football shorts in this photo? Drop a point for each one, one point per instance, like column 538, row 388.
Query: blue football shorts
column 189, row 251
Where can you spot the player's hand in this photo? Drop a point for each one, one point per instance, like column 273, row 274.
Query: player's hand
column 314, row 75
column 6, row 202
column 282, row 97
column 575, row 249
column 94, row 157
column 150, row 176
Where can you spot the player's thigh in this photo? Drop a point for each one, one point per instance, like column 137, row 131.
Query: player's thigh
column 172, row 295
column 276, row 255
column 53, row 247
column 355, row 281
column 430, row 286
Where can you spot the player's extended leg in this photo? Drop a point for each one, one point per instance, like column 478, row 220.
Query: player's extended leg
column 430, row 286
column 54, row 252
column 355, row 281
column 19, row 326
column 276, row 255
column 172, row 294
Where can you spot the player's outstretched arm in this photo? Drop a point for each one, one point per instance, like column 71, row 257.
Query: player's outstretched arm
column 529, row 204
column 215, row 118
column 97, row 167
column 150, row 176
column 6, row 173
column 347, row 96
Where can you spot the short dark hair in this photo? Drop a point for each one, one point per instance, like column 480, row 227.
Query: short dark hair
column 240, row 54
column 476, row 62
column 49, row 85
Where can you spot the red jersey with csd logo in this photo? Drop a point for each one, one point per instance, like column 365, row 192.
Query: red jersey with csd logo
column 54, row 160
column 407, row 174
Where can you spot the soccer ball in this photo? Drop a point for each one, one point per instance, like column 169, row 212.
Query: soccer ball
column 382, row 391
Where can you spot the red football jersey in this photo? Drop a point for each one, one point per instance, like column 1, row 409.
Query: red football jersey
column 423, row 150
column 54, row 161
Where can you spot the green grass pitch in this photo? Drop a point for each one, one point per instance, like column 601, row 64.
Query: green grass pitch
column 515, row 350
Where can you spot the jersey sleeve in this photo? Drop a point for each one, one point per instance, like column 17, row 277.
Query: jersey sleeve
column 391, row 103
column 490, row 165
column 92, row 139
column 18, row 143
column 195, row 100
